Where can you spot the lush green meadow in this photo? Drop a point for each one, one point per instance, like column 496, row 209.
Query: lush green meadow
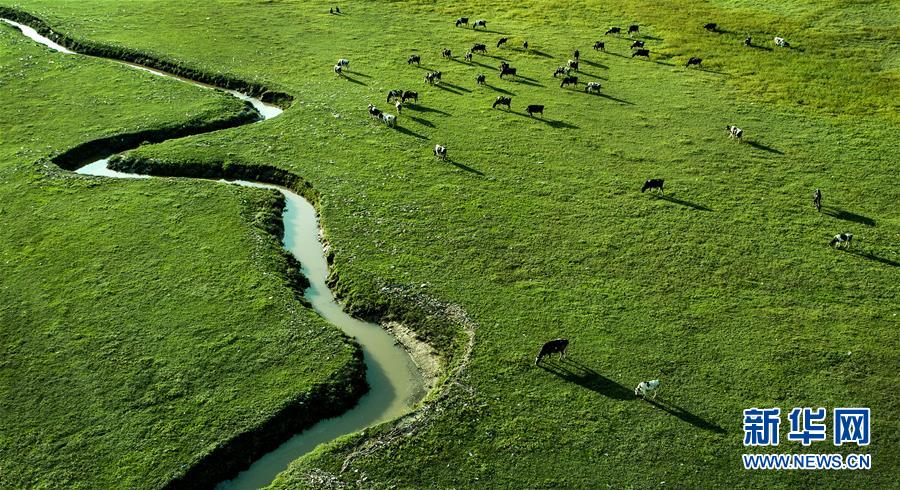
column 725, row 289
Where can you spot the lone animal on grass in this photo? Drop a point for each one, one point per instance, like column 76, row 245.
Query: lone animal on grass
column 694, row 61
column 637, row 44
column 338, row 70
column 446, row 53
column 712, row 27
column 413, row 59
column 735, row 132
column 614, row 30
column 633, row 29
column 394, row 94
column 507, row 101
column 525, row 45
column 641, row 52
column 558, row 346
column 562, row 70
column 569, row 81
column 572, row 64
column 592, row 87
column 817, row 200
column 507, row 71
column 480, row 79
column 432, row 77
column 480, row 23
column 780, row 42
column 535, row 109
column 502, row 41
column 343, row 63
column 576, row 55
column 843, row 240
column 479, row 48
column 748, row 41
column 462, row 21
column 651, row 184
column 646, row 388
column 468, row 57
column 374, row 111
column 440, row 152
column 599, row 46
column 389, row 120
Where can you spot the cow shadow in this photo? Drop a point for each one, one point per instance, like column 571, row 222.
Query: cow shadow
column 501, row 58
column 872, row 257
column 423, row 122
column 652, row 38
column 360, row 74
column 681, row 413
column 764, row 48
column 619, row 55
column 408, row 132
column 446, row 88
column 426, row 68
column 682, row 202
column 489, row 67
column 490, row 31
column 537, row 52
column 576, row 372
column 454, row 87
column 714, row 72
column 498, row 89
column 595, row 65
column 847, row 215
column 463, row 166
column 614, row 99
column 586, row 74
column 421, row 108
column 664, row 63
column 351, row 79
column 527, row 81
column 549, row 122
column 760, row 146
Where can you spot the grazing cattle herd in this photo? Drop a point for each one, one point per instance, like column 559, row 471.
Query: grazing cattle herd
column 400, row 97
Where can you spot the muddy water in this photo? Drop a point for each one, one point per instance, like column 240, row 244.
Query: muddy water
column 395, row 381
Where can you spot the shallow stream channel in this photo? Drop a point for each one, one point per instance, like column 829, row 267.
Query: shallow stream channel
column 396, row 383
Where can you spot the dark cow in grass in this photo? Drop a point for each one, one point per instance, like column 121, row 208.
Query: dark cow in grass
column 633, row 29
column 507, row 71
column 461, row 21
column 651, row 184
column 600, row 46
column 535, row 109
column 507, row 101
column 558, row 346
column 394, row 94
column 817, row 200
column 480, row 79
column 479, row 48
column 711, row 27
column 502, row 41
column 569, row 81
column 413, row 59
column 694, row 61
column 641, row 52
column 446, row 53
column 409, row 94
column 637, row 44
column 614, row 30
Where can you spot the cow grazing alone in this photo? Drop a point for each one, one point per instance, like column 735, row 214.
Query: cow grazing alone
column 343, row 63
column 576, row 55
column 633, row 29
column 573, row 64
column 338, row 70
column 646, row 388
column 843, row 240
column 614, row 30
column 569, row 81
column 600, row 46
column 712, row 27
column 694, row 61
column 748, row 41
column 468, row 56
column 374, row 111
column 502, row 41
column 462, row 21
column 389, row 119
column 817, row 200
column 558, row 346
column 535, row 109
column 480, row 79
column 525, row 45
column 440, row 152
column 651, row 184
column 507, row 101
column 592, row 87
column 508, row 71
column 735, row 132
column 480, row 23
column 413, row 59
column 446, row 53
column 479, row 48
column 394, row 94
column 637, row 44
column 432, row 77
column 641, row 52
column 781, row 43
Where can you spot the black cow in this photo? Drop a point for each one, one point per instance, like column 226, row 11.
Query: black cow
column 413, row 59
column 525, row 45
column 462, row 20
column 576, row 55
column 502, row 41
column 600, row 46
column 569, row 81
column 394, row 94
column 468, row 56
column 653, row 184
column 573, row 64
column 409, row 94
column 637, row 44
column 843, row 238
column 535, row 109
column 503, row 65
column 507, row 71
column 374, row 111
column 817, row 200
column 632, row 29
column 712, row 27
column 694, row 61
column 507, row 101
column 553, row 347
column 480, row 79
column 446, row 53
column 748, row 41
column 480, row 23
column 614, row 30
column 479, row 48
column 641, row 52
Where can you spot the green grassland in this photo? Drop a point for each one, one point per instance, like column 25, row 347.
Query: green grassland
column 725, row 290
column 143, row 324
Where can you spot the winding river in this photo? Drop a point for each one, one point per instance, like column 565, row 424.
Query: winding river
column 396, row 384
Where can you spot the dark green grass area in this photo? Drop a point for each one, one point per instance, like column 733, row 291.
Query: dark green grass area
column 143, row 324
column 725, row 289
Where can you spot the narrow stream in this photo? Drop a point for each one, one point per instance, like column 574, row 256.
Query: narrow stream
column 396, row 384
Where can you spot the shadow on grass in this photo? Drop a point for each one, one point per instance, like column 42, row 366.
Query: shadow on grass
column 410, row 133
column 575, row 372
column 537, row 52
column 444, row 87
column 351, row 79
column 847, row 216
column 489, row 31
column 872, row 257
column 681, row 413
column 360, row 74
column 489, row 67
column 760, row 146
column 423, row 122
column 501, row 58
column 421, row 108
column 682, row 202
column 454, row 87
column 664, row 63
column 465, row 167
column 714, row 72
column 591, row 75
column 615, row 99
column 764, row 48
column 527, row 81
column 549, row 122
column 498, row 89
column 652, row 38
column 595, row 65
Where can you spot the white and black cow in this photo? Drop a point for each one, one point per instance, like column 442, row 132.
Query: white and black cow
column 651, row 184
column 569, row 81
column 507, row 101
column 843, row 240
column 735, row 132
column 592, row 87
column 440, row 152
column 646, row 388
column 480, row 23
column 462, row 21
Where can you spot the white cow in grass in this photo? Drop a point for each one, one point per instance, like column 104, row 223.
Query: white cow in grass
column 647, row 388
column 389, row 120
